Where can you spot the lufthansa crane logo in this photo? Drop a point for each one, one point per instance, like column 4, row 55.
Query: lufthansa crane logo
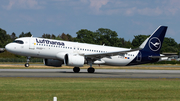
column 154, row 44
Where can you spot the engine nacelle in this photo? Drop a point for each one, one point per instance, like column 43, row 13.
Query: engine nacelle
column 74, row 60
column 61, row 55
column 52, row 62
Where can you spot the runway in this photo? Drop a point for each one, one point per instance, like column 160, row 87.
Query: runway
column 99, row 73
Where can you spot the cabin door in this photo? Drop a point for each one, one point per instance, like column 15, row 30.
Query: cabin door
column 32, row 43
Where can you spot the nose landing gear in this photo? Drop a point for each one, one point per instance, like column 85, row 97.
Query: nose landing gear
column 27, row 64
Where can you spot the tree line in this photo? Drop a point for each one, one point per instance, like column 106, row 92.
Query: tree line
column 101, row 36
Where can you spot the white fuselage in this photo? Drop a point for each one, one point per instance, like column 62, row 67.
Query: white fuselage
column 48, row 48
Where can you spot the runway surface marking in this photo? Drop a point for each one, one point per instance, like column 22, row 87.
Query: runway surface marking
column 99, row 73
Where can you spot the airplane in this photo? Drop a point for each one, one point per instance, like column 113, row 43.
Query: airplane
column 58, row 52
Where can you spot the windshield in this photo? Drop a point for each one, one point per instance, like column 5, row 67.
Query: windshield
column 18, row 41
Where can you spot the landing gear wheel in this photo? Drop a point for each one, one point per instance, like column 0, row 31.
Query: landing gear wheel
column 91, row 70
column 76, row 69
column 26, row 65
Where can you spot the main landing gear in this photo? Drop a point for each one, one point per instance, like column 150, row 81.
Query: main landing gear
column 89, row 70
column 76, row 69
column 27, row 64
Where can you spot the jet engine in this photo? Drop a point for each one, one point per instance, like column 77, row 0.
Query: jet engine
column 52, row 62
column 74, row 60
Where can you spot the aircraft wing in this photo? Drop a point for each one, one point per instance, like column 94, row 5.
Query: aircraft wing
column 101, row 55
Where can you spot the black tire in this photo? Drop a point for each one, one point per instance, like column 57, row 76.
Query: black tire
column 91, row 70
column 26, row 65
column 76, row 69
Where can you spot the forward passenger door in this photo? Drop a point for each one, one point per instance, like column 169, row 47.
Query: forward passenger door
column 32, row 43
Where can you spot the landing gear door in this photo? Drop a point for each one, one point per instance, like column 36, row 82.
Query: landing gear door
column 32, row 43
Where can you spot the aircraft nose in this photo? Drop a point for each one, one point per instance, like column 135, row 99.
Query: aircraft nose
column 8, row 47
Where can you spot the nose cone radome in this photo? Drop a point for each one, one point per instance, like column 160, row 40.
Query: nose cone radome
column 9, row 47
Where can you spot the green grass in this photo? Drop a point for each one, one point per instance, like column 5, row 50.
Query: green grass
column 88, row 89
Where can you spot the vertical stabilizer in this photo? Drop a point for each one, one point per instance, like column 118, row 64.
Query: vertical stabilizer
column 154, row 42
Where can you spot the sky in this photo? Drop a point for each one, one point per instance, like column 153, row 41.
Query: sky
column 127, row 17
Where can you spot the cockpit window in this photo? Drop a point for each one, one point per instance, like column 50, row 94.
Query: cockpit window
column 18, row 41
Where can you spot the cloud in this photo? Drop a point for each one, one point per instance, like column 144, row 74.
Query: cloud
column 24, row 4
column 97, row 4
column 150, row 11
column 130, row 8
column 166, row 7
column 172, row 7
column 84, row 1
column 130, row 11
column 9, row 6
column 104, row 7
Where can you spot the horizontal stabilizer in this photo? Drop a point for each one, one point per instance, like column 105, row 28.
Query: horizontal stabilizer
column 155, row 57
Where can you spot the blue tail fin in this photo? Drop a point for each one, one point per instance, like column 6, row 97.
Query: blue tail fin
column 154, row 42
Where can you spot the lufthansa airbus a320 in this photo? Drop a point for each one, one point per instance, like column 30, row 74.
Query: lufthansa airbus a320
column 57, row 52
